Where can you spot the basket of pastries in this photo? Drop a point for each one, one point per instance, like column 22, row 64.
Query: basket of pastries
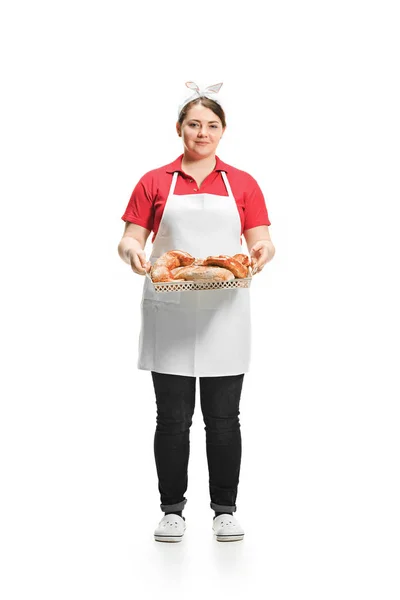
column 178, row 271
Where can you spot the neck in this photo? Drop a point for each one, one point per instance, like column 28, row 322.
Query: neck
column 207, row 163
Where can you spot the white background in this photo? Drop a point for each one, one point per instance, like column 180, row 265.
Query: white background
column 89, row 103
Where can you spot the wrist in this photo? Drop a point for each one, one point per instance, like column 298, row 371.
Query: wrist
column 128, row 245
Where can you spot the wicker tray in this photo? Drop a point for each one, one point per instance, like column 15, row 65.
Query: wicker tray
column 188, row 286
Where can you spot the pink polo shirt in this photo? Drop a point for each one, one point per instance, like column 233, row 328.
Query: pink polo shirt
column 148, row 199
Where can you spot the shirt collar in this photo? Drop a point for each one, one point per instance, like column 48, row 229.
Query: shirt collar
column 177, row 165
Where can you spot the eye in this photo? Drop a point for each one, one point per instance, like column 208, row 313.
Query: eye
column 192, row 124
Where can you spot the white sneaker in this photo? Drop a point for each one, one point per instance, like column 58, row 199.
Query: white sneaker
column 227, row 528
column 170, row 529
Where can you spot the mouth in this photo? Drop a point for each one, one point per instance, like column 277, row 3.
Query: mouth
column 202, row 143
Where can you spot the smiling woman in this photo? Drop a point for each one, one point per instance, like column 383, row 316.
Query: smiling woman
column 201, row 133
column 202, row 206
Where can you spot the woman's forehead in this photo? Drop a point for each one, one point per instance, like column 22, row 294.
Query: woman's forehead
column 201, row 112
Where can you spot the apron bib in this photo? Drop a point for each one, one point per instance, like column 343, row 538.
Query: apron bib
column 201, row 333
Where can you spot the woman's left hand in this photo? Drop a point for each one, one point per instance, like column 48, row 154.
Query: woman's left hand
column 260, row 254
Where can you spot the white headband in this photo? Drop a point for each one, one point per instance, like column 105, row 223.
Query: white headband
column 208, row 92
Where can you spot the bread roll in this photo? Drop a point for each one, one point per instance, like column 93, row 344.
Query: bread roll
column 193, row 273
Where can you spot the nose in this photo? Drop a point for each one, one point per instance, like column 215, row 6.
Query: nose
column 203, row 130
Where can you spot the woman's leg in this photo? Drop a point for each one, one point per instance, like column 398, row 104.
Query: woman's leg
column 175, row 399
column 220, row 398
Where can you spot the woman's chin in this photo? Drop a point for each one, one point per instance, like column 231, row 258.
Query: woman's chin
column 201, row 150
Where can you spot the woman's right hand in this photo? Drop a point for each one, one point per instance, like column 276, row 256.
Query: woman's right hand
column 138, row 261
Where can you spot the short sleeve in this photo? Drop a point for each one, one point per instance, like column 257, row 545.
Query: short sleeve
column 256, row 212
column 140, row 207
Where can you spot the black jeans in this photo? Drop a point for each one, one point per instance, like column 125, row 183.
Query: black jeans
column 175, row 399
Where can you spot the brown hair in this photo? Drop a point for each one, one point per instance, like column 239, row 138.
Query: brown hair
column 208, row 103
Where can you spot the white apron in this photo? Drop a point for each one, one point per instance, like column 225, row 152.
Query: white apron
column 200, row 333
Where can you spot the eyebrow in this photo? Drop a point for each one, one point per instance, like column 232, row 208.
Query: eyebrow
column 200, row 121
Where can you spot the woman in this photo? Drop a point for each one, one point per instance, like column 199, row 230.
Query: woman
column 200, row 205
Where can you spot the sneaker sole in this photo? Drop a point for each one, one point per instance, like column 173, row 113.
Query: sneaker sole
column 168, row 538
column 229, row 538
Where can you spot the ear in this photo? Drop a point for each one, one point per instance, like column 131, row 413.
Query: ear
column 178, row 128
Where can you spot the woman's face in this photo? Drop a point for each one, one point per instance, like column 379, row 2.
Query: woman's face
column 201, row 132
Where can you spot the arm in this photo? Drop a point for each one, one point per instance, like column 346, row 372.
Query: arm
column 259, row 245
column 131, row 247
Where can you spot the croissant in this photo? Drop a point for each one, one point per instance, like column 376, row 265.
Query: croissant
column 237, row 268
column 161, row 269
column 242, row 258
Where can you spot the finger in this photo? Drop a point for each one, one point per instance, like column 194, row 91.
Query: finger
column 142, row 258
column 136, row 266
column 145, row 264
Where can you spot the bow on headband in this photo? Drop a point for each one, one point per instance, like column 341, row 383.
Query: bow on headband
column 210, row 88
column 209, row 92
